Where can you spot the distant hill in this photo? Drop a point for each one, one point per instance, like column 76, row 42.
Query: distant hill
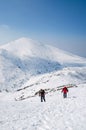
column 23, row 58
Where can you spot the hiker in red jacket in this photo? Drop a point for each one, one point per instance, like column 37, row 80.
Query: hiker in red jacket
column 65, row 90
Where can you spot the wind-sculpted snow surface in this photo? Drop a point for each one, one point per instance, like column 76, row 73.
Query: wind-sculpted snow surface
column 54, row 114
column 24, row 58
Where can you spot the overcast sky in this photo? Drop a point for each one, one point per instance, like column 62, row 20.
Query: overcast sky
column 61, row 23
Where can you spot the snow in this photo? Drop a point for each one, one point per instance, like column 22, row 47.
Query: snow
column 26, row 66
column 28, row 47
column 54, row 114
column 24, row 58
column 54, row 80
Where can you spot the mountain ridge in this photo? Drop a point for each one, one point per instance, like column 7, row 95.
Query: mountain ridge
column 23, row 58
column 25, row 43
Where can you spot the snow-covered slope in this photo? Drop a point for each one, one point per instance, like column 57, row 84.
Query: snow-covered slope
column 71, row 77
column 24, row 58
column 27, row 66
column 54, row 114
column 25, row 47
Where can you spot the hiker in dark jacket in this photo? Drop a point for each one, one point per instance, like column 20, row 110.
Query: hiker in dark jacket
column 42, row 95
column 65, row 91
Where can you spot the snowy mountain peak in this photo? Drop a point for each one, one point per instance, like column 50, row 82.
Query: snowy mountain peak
column 23, row 58
column 28, row 47
column 20, row 46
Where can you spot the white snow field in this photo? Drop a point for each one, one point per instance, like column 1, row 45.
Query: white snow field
column 26, row 66
column 54, row 114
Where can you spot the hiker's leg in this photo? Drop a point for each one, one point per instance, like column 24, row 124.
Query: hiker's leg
column 41, row 99
column 44, row 98
column 65, row 95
